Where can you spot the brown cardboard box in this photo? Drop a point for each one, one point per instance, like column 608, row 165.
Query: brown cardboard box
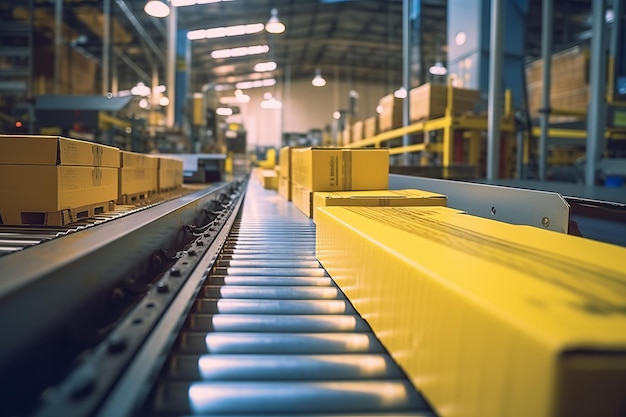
column 138, row 176
column 170, row 173
column 428, row 101
column 284, row 176
column 357, row 131
column 377, row 198
column 270, row 179
column 370, row 127
column 391, row 114
column 302, row 198
column 44, row 176
column 340, row 169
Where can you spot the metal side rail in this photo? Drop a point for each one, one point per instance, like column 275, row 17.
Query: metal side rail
column 268, row 332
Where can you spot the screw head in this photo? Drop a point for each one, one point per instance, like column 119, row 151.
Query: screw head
column 545, row 222
column 162, row 287
column 175, row 272
column 117, row 344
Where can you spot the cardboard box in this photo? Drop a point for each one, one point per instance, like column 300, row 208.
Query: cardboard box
column 302, row 199
column 346, row 136
column 391, row 115
column 486, row 318
column 339, row 169
column 270, row 179
column 370, row 128
column 55, row 150
column 170, row 173
column 357, row 131
column 429, row 101
column 29, row 194
column 44, row 176
column 138, row 176
column 377, row 198
column 284, row 179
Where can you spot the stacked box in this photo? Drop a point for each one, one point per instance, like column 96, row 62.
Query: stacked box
column 377, row 198
column 336, row 169
column 346, row 136
column 357, row 131
column 569, row 83
column 170, row 173
column 391, row 115
column 269, row 179
column 138, row 176
column 370, row 128
column 284, row 176
column 486, row 318
column 52, row 180
column 429, row 101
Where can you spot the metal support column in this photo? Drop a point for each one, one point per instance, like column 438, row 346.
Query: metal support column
column 58, row 44
column 406, row 74
column 597, row 89
column 546, row 56
column 170, row 68
column 495, row 90
column 106, row 46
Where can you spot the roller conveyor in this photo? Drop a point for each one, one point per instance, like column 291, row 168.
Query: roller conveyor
column 270, row 333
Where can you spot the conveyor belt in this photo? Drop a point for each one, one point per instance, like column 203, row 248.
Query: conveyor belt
column 271, row 333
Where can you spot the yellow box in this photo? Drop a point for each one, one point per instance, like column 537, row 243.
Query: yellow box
column 302, row 198
column 488, row 319
column 377, row 198
column 429, row 101
column 170, row 173
column 55, row 150
column 338, row 169
column 357, row 131
column 138, row 175
column 42, row 175
column 28, row 193
column 270, row 179
column 391, row 115
column 370, row 127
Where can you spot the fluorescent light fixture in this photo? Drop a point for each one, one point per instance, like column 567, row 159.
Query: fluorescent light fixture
column 140, row 90
column 265, row 66
column 180, row 3
column 157, row 8
column 222, row 32
column 400, row 92
column 242, row 51
column 438, row 69
column 244, row 85
column 274, row 25
column 224, row 111
column 318, row 80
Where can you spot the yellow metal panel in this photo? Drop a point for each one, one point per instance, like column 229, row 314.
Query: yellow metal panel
column 479, row 313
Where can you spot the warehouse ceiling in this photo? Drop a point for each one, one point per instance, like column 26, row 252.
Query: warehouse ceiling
column 357, row 40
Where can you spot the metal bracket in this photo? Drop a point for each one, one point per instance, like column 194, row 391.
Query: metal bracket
column 546, row 210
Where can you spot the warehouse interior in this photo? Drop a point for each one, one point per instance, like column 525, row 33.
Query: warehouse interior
column 312, row 208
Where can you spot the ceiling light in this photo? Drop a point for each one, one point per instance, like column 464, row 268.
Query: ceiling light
column 164, row 101
column 265, row 66
column 222, row 32
column 244, row 85
column 274, row 25
column 157, row 8
column 143, row 103
column 379, row 109
column 242, row 51
column 336, row 115
column 140, row 90
column 400, row 92
column 224, row 111
column 270, row 102
column 438, row 69
column 318, row 80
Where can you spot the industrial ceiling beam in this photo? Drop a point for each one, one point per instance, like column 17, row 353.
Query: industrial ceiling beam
column 145, row 37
